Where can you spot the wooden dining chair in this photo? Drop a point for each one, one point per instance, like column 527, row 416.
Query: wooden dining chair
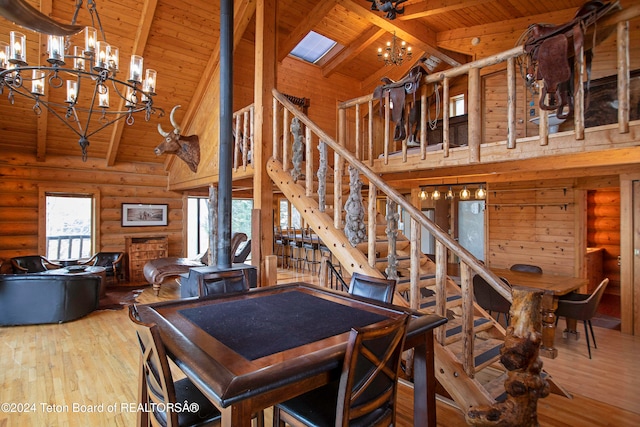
column 582, row 307
column 365, row 394
column 490, row 300
column 371, row 287
column 157, row 390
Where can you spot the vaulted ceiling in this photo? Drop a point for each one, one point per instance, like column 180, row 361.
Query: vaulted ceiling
column 178, row 38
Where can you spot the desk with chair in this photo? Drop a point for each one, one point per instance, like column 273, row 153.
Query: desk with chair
column 553, row 286
column 246, row 363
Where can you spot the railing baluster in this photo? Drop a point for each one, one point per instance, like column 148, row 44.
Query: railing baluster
column 370, row 131
column 372, row 214
column 392, row 235
column 308, row 162
column 245, row 141
column 468, row 334
column 623, row 76
column 415, row 252
column 441, row 288
column 322, row 176
column 286, row 145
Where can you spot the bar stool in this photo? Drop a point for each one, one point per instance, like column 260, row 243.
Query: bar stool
column 311, row 245
column 279, row 246
column 296, row 254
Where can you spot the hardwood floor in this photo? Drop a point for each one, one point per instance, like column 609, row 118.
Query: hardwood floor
column 85, row 373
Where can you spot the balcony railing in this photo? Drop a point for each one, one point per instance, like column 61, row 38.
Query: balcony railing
column 74, row 246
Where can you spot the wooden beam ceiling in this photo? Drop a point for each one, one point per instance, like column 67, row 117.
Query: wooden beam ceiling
column 139, row 43
column 417, row 34
column 426, row 8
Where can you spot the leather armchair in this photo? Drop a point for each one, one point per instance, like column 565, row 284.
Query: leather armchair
column 32, row 264
column 111, row 261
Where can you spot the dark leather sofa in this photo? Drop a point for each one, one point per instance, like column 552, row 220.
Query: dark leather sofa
column 30, row 299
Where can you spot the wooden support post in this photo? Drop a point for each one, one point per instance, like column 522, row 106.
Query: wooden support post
column 475, row 115
column 511, row 103
column 519, row 355
column 271, row 270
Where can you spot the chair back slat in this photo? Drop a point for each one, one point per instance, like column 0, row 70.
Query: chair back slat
column 368, row 385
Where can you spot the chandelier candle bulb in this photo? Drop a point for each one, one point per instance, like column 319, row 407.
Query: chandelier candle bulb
column 90, row 37
column 130, row 100
column 18, row 43
column 4, row 55
column 56, row 50
column 72, row 91
column 78, row 58
column 37, row 82
column 150, row 81
column 103, row 98
column 135, row 69
column 114, row 59
column 104, row 51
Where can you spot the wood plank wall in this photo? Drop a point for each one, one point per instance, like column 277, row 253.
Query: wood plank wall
column 603, row 231
column 532, row 223
column 22, row 177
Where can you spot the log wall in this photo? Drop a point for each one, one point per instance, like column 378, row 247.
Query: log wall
column 533, row 223
column 603, row 231
column 22, row 178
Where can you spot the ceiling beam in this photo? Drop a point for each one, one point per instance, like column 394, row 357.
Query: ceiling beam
column 413, row 32
column 316, row 15
column 426, row 8
column 361, row 43
column 242, row 14
column 139, row 43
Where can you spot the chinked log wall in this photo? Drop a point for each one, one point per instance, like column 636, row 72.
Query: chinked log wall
column 22, row 177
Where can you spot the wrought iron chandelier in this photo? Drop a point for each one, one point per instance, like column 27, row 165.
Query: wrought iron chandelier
column 87, row 73
column 394, row 53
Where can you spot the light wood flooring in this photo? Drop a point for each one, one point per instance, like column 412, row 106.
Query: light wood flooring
column 57, row 374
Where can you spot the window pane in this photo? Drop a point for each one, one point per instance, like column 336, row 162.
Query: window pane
column 69, row 225
column 241, row 216
column 284, row 213
column 313, row 47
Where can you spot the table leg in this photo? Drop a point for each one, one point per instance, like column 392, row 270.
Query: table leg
column 549, row 306
column 424, row 377
column 236, row 415
column 571, row 329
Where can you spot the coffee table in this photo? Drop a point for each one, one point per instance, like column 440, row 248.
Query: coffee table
column 84, row 270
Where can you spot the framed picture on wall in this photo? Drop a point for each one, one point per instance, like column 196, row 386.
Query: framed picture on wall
column 139, row 215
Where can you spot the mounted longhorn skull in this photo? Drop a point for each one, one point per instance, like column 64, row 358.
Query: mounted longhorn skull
column 186, row 148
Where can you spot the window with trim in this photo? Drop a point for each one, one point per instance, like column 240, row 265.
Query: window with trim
column 198, row 229
column 289, row 215
column 70, row 220
column 456, row 105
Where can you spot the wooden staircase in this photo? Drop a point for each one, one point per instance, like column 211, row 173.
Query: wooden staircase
column 468, row 346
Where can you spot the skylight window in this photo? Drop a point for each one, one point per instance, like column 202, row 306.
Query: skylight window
column 313, row 47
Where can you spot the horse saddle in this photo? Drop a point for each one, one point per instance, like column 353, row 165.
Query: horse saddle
column 397, row 94
column 548, row 46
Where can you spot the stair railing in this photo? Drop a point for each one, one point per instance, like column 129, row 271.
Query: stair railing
column 284, row 112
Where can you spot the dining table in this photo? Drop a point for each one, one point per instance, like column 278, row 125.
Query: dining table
column 250, row 350
column 553, row 286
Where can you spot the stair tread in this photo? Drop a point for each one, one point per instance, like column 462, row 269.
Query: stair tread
column 485, row 351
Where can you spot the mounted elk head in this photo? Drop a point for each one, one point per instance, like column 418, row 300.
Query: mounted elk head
column 186, row 148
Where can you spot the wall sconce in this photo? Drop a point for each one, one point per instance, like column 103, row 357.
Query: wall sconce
column 465, row 194
column 423, row 194
column 481, row 193
column 435, row 195
column 449, row 195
